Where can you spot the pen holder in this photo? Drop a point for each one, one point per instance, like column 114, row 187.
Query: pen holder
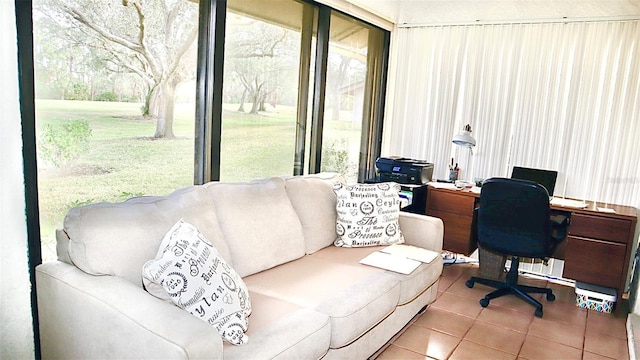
column 453, row 175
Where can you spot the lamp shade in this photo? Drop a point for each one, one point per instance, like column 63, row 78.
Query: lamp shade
column 464, row 138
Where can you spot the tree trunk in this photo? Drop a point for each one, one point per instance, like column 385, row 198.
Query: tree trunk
column 154, row 103
column 92, row 88
column 244, row 95
column 256, row 102
column 336, row 96
column 147, row 102
column 335, row 105
column 134, row 92
column 263, row 97
column 164, row 123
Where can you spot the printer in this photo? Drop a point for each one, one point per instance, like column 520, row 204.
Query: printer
column 404, row 170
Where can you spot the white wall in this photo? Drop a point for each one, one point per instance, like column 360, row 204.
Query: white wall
column 16, row 333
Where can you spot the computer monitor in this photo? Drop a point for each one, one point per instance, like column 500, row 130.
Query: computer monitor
column 546, row 178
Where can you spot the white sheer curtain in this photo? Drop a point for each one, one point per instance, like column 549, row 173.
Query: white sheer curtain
column 561, row 96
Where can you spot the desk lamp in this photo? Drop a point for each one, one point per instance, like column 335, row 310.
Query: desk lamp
column 465, row 139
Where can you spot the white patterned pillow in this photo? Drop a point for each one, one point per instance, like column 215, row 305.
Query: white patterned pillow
column 368, row 215
column 197, row 279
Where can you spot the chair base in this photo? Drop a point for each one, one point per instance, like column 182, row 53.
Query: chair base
column 511, row 287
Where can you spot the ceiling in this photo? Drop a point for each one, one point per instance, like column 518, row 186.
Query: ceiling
column 456, row 11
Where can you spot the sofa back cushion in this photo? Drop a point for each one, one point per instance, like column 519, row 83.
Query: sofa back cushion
column 118, row 238
column 314, row 200
column 259, row 224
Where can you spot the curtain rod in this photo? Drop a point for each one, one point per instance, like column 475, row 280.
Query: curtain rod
column 521, row 21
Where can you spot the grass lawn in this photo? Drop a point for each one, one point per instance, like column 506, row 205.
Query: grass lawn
column 124, row 161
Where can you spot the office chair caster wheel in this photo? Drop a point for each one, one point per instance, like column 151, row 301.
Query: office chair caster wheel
column 551, row 297
column 538, row 313
column 484, row 302
column 469, row 284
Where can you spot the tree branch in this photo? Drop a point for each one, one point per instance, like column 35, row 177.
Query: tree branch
column 156, row 68
column 83, row 19
column 140, row 48
column 183, row 48
column 275, row 43
column 269, row 52
column 141, row 16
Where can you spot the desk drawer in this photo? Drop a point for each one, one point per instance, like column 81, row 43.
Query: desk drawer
column 594, row 261
column 598, row 227
column 457, row 232
column 451, row 202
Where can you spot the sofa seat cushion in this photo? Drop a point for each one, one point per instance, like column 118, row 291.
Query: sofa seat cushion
column 281, row 329
column 314, row 200
column 258, row 223
column 355, row 297
column 118, row 238
column 411, row 285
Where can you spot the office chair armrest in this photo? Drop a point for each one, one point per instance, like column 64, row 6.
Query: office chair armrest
column 559, row 220
column 474, row 225
column 559, row 225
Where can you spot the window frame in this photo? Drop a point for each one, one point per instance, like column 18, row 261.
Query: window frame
column 24, row 34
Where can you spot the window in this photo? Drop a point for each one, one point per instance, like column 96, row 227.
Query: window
column 354, row 50
column 114, row 103
column 266, row 55
column 302, row 92
column 120, row 99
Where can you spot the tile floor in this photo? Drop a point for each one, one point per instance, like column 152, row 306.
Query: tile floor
column 455, row 326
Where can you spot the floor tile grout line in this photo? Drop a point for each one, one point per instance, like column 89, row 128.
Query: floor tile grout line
column 583, row 325
column 463, row 338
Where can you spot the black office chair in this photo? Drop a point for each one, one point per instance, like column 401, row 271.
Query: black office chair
column 514, row 219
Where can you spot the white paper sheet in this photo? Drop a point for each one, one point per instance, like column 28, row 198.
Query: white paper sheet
column 568, row 203
column 411, row 252
column 397, row 263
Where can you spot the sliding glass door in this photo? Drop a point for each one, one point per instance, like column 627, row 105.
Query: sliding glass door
column 268, row 54
column 303, row 89
column 351, row 116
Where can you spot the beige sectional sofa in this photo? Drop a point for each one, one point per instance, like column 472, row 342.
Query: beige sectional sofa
column 310, row 299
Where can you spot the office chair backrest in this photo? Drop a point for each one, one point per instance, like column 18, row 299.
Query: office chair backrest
column 513, row 218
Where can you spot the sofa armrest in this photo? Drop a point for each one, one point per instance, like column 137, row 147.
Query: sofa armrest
column 86, row 316
column 422, row 230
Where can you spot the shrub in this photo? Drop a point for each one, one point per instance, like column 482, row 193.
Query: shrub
column 107, row 96
column 335, row 158
column 62, row 143
column 77, row 91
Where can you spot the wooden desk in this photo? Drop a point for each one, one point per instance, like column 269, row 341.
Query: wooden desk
column 597, row 249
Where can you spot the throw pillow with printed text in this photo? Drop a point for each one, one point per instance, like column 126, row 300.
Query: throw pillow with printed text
column 198, row 280
column 368, row 214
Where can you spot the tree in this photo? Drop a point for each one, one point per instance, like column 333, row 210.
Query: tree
column 339, row 75
column 258, row 54
column 344, row 69
column 148, row 38
column 64, row 71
